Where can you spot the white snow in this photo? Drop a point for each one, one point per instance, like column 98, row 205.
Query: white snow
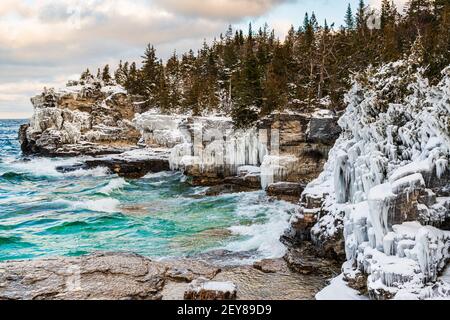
column 338, row 290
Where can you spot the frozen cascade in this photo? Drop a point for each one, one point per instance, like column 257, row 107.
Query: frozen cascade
column 275, row 168
column 380, row 201
column 209, row 144
column 384, row 169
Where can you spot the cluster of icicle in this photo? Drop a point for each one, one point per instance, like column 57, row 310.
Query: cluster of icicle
column 209, row 143
column 395, row 133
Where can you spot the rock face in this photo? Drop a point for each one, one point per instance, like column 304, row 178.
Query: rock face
column 85, row 118
column 382, row 201
column 298, row 146
column 94, row 119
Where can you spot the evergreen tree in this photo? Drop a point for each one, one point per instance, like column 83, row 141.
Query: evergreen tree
column 86, row 75
column 349, row 19
column 106, row 76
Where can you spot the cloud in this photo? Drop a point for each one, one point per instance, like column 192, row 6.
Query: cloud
column 45, row 41
column 229, row 10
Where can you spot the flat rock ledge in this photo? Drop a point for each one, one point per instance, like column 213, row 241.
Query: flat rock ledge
column 98, row 276
column 133, row 164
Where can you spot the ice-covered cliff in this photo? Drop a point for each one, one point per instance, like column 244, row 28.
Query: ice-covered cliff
column 282, row 147
column 85, row 117
column 384, row 195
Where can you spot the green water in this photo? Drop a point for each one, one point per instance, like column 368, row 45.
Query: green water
column 46, row 213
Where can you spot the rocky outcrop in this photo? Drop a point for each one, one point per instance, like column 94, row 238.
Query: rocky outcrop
column 299, row 145
column 211, row 152
column 91, row 118
column 126, row 276
column 98, row 276
column 85, row 118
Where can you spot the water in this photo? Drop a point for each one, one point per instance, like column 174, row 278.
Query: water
column 45, row 213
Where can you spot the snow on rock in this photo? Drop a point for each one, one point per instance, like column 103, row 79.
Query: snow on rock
column 211, row 149
column 386, row 181
column 339, row 290
column 82, row 113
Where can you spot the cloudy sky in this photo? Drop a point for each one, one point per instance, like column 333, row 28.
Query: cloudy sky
column 45, row 42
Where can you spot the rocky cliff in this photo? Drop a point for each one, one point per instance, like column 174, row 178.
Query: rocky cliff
column 84, row 118
column 382, row 203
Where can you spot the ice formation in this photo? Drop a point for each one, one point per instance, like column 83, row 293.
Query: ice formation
column 390, row 166
column 209, row 144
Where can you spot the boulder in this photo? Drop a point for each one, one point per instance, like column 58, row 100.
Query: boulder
column 203, row 289
column 288, row 191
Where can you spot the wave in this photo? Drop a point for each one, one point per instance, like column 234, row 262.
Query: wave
column 13, row 240
column 263, row 237
column 113, row 185
column 45, row 167
column 95, row 172
column 107, row 205
column 163, row 174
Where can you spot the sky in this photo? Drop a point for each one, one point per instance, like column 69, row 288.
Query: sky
column 44, row 43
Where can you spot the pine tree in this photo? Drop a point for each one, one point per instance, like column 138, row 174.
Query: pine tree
column 106, row 76
column 119, row 74
column 86, row 75
column 249, row 101
column 349, row 19
column 361, row 18
column 151, row 77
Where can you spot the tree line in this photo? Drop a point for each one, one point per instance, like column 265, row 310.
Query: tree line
column 251, row 74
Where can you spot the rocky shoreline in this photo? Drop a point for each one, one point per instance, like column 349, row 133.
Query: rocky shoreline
column 125, row 276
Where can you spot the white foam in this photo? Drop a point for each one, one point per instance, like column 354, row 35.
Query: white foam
column 95, row 172
column 163, row 174
column 263, row 237
column 113, row 185
column 108, row 205
column 47, row 167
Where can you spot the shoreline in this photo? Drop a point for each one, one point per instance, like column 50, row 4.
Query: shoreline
column 98, row 276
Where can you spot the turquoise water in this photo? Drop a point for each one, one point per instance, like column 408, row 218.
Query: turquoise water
column 46, row 213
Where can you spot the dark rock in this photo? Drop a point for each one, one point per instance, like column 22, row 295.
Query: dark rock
column 225, row 189
column 132, row 169
column 304, row 259
column 247, row 181
column 323, row 130
column 288, row 191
